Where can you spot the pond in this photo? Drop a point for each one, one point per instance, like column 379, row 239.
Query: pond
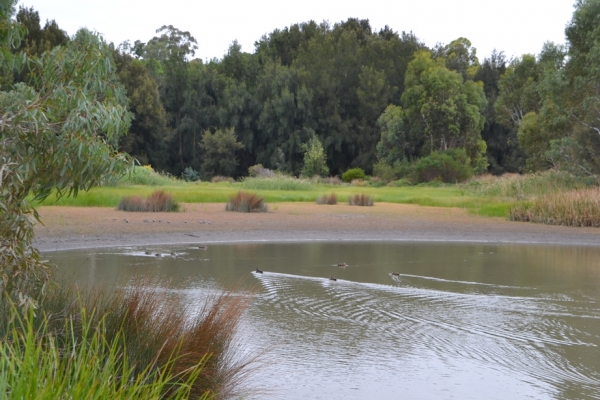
column 402, row 320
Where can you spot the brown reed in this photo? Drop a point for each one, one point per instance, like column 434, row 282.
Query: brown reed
column 157, row 202
column 361, row 200
column 246, row 202
column 578, row 208
column 330, row 199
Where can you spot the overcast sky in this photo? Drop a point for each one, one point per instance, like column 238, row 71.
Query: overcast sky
column 514, row 26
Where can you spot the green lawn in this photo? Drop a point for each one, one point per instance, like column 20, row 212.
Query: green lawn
column 445, row 196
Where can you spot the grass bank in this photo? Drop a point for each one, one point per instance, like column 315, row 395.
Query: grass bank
column 485, row 195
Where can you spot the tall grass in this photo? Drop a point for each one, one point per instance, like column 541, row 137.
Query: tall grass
column 277, row 182
column 361, row 200
column 573, row 208
column 246, row 202
column 525, row 186
column 134, row 343
column 327, row 199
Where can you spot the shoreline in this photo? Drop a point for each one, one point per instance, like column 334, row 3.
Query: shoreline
column 70, row 228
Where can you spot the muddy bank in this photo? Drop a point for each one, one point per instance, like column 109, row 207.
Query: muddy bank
column 79, row 227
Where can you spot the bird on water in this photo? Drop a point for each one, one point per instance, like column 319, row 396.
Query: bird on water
column 331, row 278
column 342, row 264
column 395, row 274
column 258, row 271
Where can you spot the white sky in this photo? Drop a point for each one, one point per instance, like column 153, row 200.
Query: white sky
column 514, row 26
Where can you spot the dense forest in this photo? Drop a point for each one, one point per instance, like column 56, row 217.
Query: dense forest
column 373, row 99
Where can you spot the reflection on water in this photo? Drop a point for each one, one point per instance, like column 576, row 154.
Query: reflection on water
column 456, row 321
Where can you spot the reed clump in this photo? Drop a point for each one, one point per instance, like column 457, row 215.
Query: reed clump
column 246, row 202
column 158, row 201
column 361, row 200
column 577, row 208
column 134, row 343
column 330, row 199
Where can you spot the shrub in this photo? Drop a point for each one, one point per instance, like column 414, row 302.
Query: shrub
column 146, row 176
column 450, row 166
column 333, row 180
column 219, row 178
column 376, row 182
column 190, row 175
column 156, row 202
column 576, row 208
column 352, row 174
column 277, row 182
column 358, row 182
column 259, row 171
column 361, row 200
column 400, row 183
column 246, row 202
column 327, row 199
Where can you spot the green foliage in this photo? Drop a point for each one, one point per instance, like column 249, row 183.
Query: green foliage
column 398, row 142
column 451, row 166
column 353, row 174
column 219, row 152
column 58, row 132
column 189, row 175
column 39, row 40
column 315, row 160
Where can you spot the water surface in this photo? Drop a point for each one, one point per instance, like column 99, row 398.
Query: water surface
column 465, row 321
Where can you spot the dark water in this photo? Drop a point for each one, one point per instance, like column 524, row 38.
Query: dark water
column 464, row 321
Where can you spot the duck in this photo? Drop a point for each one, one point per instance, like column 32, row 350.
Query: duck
column 147, row 252
column 258, row 271
column 342, row 264
column 158, row 255
column 331, row 278
column 395, row 274
column 203, row 247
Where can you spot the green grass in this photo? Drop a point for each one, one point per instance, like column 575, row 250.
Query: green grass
column 204, row 192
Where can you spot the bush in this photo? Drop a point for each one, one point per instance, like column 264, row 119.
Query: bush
column 400, row 183
column 353, row 174
column 361, row 200
column 315, row 160
column 156, row 202
column 327, row 199
column 277, row 182
column 577, row 208
column 190, row 175
column 246, row 202
column 219, row 178
column 259, row 171
column 451, row 166
column 146, row 176
column 333, row 180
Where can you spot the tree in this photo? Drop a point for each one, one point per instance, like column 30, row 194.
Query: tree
column 315, row 161
column 57, row 132
column 397, row 141
column 219, row 152
column 37, row 39
column 446, row 109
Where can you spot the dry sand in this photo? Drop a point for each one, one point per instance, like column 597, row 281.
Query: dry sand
column 80, row 227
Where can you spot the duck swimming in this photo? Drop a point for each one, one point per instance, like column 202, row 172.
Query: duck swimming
column 258, row 271
column 331, row 278
column 342, row 264
column 395, row 274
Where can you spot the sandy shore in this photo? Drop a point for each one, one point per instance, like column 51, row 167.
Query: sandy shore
column 79, row 227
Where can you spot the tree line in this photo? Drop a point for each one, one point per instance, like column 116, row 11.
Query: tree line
column 370, row 98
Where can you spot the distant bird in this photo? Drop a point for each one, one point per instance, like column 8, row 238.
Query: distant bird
column 203, row 247
column 395, row 274
column 158, row 255
column 173, row 254
column 258, row 271
column 147, row 252
column 331, row 278
column 342, row 264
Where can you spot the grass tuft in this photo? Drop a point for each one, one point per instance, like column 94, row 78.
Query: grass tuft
column 277, row 182
column 327, row 199
column 158, row 201
column 577, row 208
column 361, row 200
column 246, row 202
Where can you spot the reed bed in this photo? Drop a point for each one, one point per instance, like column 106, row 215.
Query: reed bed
column 246, row 202
column 158, row 201
column 134, row 343
column 330, row 199
column 577, row 208
column 361, row 200
column 277, row 182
